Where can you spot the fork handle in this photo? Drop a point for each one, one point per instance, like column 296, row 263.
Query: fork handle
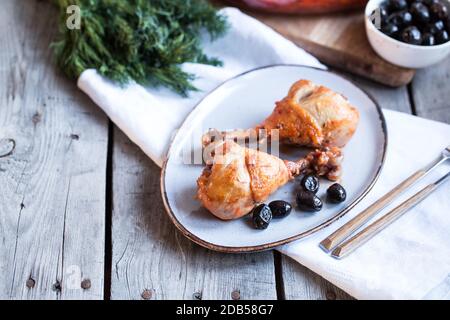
column 343, row 232
column 364, row 235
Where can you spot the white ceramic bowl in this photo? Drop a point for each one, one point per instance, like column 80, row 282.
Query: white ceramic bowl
column 400, row 53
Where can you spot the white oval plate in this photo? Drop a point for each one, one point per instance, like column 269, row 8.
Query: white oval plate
column 243, row 102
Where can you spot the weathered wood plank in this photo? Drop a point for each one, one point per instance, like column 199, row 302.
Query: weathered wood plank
column 387, row 98
column 52, row 185
column 152, row 260
column 298, row 281
column 431, row 92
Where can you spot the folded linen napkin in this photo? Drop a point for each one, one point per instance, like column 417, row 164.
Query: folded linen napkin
column 411, row 258
column 408, row 260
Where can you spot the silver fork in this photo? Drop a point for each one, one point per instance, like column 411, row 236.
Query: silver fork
column 356, row 241
column 347, row 229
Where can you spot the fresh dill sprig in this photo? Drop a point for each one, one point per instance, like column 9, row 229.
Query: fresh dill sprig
column 140, row 40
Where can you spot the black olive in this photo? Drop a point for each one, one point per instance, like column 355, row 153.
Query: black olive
column 428, row 39
column 442, row 37
column 434, row 27
column 308, row 201
column 384, row 13
column 420, row 12
column 261, row 216
column 395, row 19
column 385, row 5
column 401, row 19
column 407, row 17
column 280, row 209
column 429, row 2
column 412, row 35
column 379, row 17
column 391, row 30
column 439, row 11
column 310, row 183
column 336, row 193
column 397, row 5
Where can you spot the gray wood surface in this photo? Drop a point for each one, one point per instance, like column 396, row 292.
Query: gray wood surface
column 58, row 195
column 150, row 254
column 52, row 184
column 431, row 92
column 300, row 283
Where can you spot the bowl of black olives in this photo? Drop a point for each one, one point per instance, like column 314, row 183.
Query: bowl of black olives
column 409, row 33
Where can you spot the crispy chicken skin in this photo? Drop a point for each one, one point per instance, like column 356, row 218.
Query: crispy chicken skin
column 237, row 178
column 240, row 177
column 310, row 116
column 313, row 116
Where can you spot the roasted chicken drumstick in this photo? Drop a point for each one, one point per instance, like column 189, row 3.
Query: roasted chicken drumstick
column 310, row 116
column 240, row 177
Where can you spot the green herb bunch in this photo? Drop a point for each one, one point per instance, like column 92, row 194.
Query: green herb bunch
column 140, row 40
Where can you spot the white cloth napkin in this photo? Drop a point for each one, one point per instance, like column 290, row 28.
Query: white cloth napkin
column 408, row 260
column 411, row 258
column 149, row 116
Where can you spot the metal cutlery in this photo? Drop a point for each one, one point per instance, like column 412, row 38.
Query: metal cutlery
column 351, row 226
column 370, row 231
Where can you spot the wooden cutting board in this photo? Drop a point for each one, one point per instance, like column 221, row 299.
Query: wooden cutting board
column 338, row 40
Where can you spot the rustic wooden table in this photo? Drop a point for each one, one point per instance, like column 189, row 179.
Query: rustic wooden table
column 80, row 210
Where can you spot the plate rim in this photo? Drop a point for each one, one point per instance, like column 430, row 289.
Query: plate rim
column 301, row 235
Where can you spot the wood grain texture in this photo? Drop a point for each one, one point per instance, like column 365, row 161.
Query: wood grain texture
column 152, row 260
column 339, row 40
column 52, row 185
column 431, row 92
column 53, row 144
column 300, row 283
column 387, row 98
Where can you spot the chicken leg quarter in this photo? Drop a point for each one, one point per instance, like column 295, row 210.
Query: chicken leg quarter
column 240, row 177
column 310, row 116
